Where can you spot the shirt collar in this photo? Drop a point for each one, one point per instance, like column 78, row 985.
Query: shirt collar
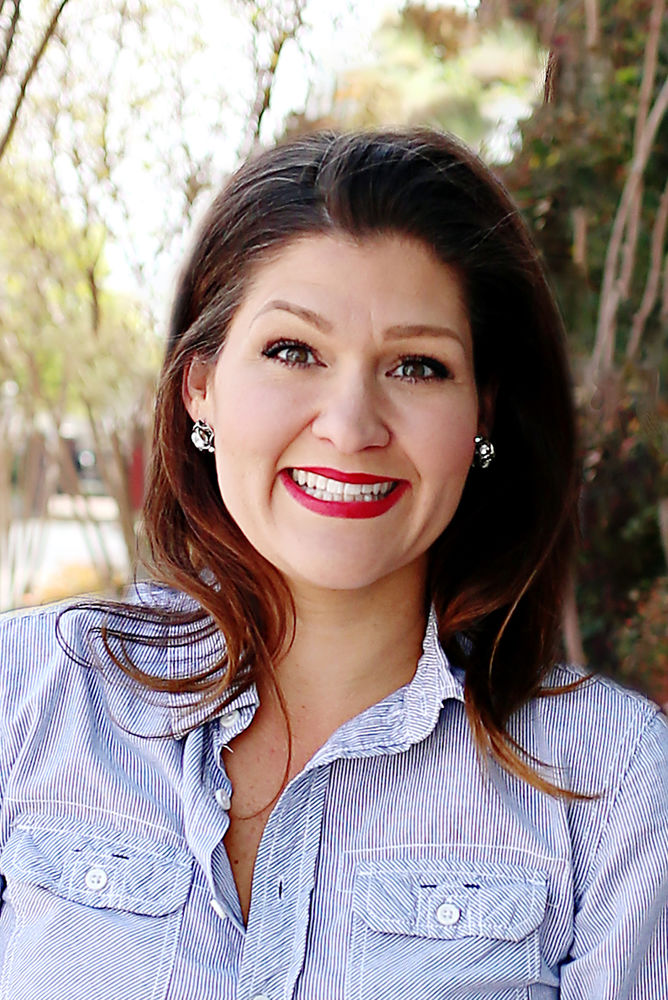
column 404, row 717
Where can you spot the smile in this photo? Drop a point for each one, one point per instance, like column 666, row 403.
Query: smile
column 338, row 494
column 324, row 488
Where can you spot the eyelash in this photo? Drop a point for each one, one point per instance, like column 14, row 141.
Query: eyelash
column 440, row 372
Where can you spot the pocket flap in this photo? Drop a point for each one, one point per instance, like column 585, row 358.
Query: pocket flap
column 450, row 898
column 102, row 869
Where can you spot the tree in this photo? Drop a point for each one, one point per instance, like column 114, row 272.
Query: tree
column 109, row 164
column 23, row 43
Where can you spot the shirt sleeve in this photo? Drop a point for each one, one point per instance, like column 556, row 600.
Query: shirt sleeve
column 620, row 943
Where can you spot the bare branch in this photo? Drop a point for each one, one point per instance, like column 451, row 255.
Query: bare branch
column 592, row 24
column 265, row 75
column 9, row 37
column 604, row 345
column 649, row 68
column 653, row 276
column 644, row 98
column 28, row 75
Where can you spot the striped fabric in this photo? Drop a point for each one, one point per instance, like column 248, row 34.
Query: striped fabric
column 394, row 867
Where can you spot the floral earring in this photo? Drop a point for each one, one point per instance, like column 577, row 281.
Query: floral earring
column 202, row 436
column 484, row 452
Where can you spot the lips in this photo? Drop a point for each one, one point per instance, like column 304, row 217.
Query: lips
column 343, row 494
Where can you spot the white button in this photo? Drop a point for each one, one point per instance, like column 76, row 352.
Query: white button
column 215, row 905
column 261, row 996
column 228, row 720
column 448, row 914
column 223, row 799
column 96, row 878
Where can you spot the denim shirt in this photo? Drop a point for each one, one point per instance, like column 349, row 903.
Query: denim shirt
column 394, row 866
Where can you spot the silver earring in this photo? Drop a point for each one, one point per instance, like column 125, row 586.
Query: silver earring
column 202, row 436
column 484, row 452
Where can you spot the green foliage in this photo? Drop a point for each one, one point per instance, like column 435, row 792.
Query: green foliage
column 642, row 642
column 65, row 339
column 438, row 67
column 626, row 474
column 574, row 154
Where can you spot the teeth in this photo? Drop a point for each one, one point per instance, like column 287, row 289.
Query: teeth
column 331, row 490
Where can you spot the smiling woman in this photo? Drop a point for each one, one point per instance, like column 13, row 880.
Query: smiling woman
column 329, row 753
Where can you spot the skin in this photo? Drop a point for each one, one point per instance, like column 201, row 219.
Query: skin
column 357, row 357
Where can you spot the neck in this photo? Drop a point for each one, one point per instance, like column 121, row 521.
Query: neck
column 352, row 648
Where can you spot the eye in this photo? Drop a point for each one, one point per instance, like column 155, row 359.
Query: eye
column 419, row 369
column 292, row 353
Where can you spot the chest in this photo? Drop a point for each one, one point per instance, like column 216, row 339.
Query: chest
column 364, row 884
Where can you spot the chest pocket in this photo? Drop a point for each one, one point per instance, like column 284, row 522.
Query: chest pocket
column 445, row 928
column 87, row 913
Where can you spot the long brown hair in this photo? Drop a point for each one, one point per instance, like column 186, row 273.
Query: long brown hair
column 499, row 570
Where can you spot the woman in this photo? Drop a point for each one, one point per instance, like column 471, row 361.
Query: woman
column 377, row 785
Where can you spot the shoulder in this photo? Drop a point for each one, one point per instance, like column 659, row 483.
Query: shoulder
column 598, row 729
column 53, row 646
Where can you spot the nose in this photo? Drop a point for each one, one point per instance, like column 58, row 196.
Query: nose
column 350, row 416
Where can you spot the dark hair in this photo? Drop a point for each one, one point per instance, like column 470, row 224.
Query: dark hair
column 499, row 571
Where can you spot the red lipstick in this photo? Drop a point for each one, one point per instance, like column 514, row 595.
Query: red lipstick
column 353, row 509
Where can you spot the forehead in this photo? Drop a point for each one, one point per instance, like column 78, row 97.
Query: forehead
column 387, row 276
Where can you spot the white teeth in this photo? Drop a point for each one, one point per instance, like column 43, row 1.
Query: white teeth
column 331, row 490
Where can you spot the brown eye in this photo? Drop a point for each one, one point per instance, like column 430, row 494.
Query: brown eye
column 292, row 353
column 295, row 355
column 420, row 370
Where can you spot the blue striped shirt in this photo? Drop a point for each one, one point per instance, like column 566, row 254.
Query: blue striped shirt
column 393, row 866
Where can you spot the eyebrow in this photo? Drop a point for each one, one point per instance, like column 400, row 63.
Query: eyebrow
column 314, row 318
column 417, row 329
column 393, row 332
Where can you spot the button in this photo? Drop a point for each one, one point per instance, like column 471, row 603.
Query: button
column 230, row 718
column 96, row 878
column 261, row 996
column 223, row 799
column 218, row 907
column 448, row 914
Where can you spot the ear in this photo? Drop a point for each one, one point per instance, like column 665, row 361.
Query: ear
column 486, row 407
column 195, row 388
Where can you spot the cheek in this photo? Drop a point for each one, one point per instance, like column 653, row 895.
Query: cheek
column 444, row 440
column 255, row 421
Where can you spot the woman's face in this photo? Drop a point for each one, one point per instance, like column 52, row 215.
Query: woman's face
column 344, row 407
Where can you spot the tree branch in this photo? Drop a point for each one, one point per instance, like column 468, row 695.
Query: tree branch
column 265, row 75
column 653, row 276
column 9, row 37
column 644, row 98
column 604, row 345
column 592, row 24
column 28, row 75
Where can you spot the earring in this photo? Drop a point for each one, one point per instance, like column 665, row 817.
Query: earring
column 202, row 436
column 484, row 452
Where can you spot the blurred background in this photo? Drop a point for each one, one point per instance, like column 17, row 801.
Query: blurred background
column 119, row 118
